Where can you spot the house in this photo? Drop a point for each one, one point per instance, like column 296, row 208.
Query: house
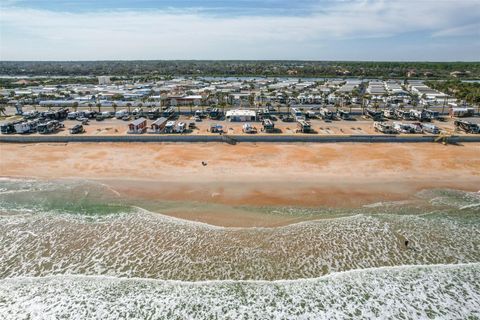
column 137, row 126
column 241, row 115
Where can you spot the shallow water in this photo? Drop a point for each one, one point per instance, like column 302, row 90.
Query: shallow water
column 64, row 244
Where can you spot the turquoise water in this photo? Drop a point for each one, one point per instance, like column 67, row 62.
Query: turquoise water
column 75, row 249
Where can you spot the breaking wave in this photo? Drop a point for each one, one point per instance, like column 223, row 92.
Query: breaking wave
column 406, row 292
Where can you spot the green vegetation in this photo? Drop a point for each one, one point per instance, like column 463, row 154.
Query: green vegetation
column 155, row 69
column 466, row 91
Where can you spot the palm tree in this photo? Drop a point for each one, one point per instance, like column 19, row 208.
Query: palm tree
column 365, row 97
column 90, row 106
column 251, row 99
column 99, row 106
column 75, row 106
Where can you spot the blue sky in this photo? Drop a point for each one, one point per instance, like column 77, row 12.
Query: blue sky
column 421, row 30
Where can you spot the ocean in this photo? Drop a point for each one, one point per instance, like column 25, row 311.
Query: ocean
column 77, row 250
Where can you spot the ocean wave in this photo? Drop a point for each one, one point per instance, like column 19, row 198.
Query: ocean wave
column 413, row 292
column 149, row 245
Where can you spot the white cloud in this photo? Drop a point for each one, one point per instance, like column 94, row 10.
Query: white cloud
column 42, row 34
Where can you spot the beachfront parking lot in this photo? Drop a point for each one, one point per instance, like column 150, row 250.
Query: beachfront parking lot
column 358, row 125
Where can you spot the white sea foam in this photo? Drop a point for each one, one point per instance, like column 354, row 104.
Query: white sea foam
column 148, row 245
column 413, row 292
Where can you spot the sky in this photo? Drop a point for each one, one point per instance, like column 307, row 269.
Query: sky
column 366, row 30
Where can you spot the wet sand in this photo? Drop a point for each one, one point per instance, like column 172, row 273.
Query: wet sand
column 309, row 175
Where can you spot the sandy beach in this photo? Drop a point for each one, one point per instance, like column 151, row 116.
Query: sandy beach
column 335, row 175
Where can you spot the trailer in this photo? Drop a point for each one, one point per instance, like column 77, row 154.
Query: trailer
column 304, row 126
column 384, row 127
column 466, row 126
column 268, row 125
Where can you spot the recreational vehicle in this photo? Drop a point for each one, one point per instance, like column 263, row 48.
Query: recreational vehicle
column 72, row 115
column 373, row 114
column 326, row 114
column 389, row 113
column 215, row 113
column 268, row 125
column 180, row 127
column 310, row 114
column 432, row 115
column 402, row 114
column 120, row 114
column 169, row 127
column 430, row 128
column 169, row 113
column 7, row 127
column 297, row 114
column 384, row 127
column 30, row 114
column 76, row 129
column 343, row 114
column 216, row 128
column 418, row 115
column 466, row 126
column 304, row 126
column 48, row 127
column 248, row 128
column 26, row 127
column 402, row 127
column 154, row 113
column 462, row 112
column 137, row 113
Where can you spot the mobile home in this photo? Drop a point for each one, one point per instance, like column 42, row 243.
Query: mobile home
column 137, row 126
column 158, row 125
